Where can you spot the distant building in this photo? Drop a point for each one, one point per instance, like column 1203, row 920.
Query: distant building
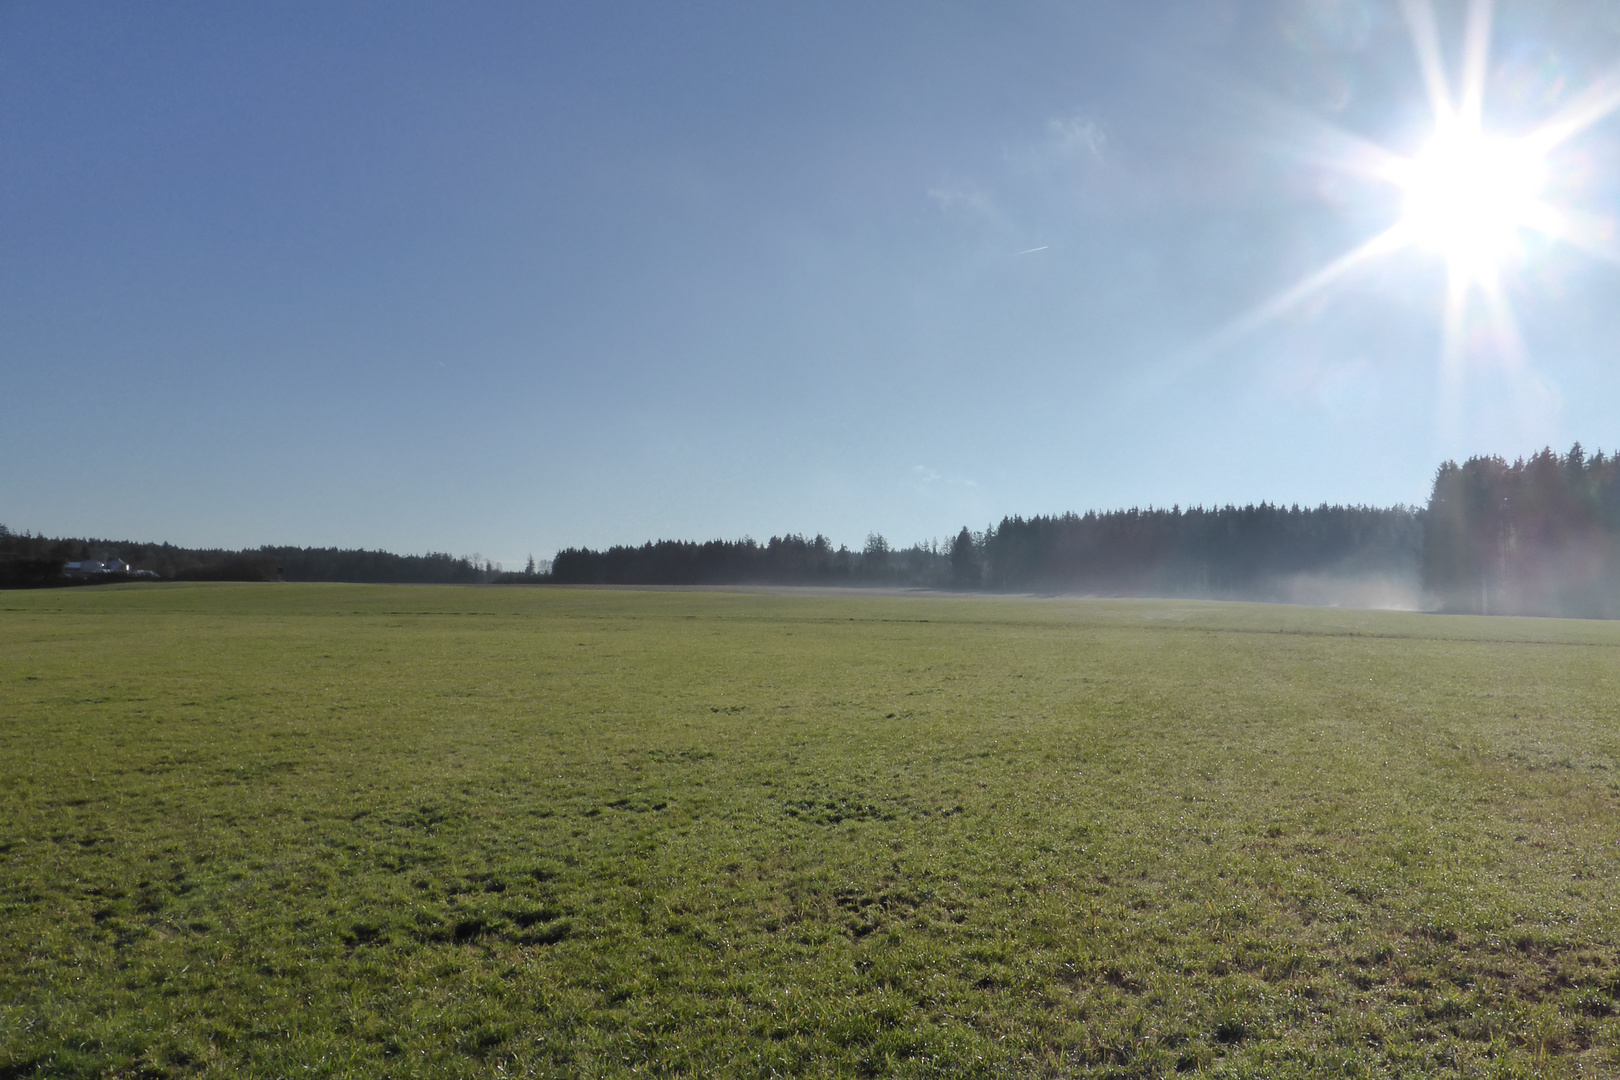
column 90, row 567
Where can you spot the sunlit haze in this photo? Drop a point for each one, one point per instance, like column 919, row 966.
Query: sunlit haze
column 503, row 278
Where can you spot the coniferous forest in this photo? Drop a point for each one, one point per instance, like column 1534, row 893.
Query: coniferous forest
column 1537, row 537
column 1540, row 536
column 1228, row 552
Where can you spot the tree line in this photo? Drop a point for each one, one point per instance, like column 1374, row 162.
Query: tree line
column 1222, row 552
column 28, row 561
column 782, row 560
column 1217, row 552
column 1540, row 536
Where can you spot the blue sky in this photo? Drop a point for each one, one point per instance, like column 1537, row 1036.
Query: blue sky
column 503, row 278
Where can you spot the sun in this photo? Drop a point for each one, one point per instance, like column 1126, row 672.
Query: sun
column 1467, row 196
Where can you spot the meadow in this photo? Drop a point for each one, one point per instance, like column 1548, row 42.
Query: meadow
column 285, row 830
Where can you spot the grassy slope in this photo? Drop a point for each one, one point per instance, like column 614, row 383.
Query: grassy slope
column 437, row 831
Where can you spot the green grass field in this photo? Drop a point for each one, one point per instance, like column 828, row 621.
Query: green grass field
column 289, row 830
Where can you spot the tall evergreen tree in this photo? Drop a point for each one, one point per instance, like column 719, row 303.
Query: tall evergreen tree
column 965, row 569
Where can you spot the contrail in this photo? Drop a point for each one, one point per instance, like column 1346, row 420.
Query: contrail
column 1032, row 251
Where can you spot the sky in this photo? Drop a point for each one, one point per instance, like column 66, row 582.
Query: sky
column 503, row 278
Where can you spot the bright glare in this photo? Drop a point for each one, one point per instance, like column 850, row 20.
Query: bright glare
column 1467, row 195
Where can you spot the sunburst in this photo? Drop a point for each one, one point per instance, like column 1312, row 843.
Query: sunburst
column 1469, row 196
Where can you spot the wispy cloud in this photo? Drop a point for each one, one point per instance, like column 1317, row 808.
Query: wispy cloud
column 1069, row 149
column 927, row 480
column 1077, row 135
column 954, row 195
